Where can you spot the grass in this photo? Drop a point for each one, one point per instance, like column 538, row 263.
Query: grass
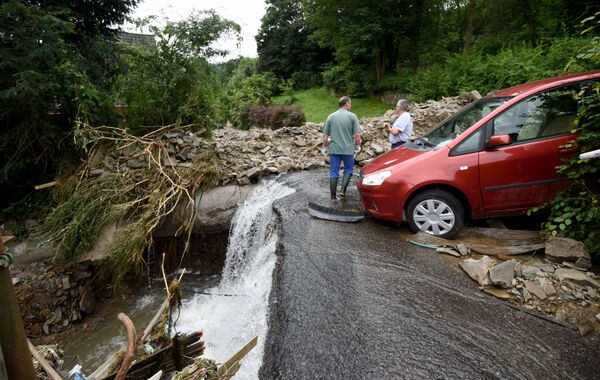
column 318, row 103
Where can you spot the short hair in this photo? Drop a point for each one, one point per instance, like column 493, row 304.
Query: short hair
column 344, row 100
column 403, row 104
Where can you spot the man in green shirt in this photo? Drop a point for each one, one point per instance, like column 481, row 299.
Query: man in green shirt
column 342, row 128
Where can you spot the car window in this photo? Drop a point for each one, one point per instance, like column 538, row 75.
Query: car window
column 470, row 144
column 462, row 120
column 546, row 114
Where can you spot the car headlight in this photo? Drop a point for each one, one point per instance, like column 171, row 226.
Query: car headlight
column 376, row 179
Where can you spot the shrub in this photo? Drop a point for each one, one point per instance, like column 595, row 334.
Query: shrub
column 273, row 117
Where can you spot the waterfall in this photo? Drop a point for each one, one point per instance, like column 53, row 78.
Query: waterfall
column 237, row 310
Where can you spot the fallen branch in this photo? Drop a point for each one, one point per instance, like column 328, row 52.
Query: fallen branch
column 44, row 363
column 131, row 343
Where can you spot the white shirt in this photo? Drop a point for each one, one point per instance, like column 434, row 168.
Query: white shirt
column 404, row 124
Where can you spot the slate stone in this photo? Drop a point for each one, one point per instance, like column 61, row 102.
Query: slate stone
column 535, row 288
column 478, row 269
column 565, row 249
column 564, row 274
column 502, row 275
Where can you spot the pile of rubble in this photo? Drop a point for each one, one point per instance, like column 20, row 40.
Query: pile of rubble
column 559, row 285
column 52, row 297
column 248, row 155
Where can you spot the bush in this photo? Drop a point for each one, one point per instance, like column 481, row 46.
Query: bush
column 273, row 117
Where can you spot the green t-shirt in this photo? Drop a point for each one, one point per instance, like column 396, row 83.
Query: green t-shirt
column 341, row 126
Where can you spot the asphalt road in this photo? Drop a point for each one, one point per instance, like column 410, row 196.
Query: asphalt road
column 356, row 301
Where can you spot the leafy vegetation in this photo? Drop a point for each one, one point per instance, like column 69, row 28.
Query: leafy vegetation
column 58, row 63
column 575, row 212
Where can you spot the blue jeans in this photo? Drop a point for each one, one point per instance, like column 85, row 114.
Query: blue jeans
column 395, row 145
column 335, row 161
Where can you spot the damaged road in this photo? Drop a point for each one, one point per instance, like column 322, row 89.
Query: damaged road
column 355, row 301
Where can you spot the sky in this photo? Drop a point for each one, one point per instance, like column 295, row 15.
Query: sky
column 246, row 13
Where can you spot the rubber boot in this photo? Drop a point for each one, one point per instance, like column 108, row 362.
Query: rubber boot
column 345, row 182
column 333, row 186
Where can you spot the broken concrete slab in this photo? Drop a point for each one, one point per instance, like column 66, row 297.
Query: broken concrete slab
column 503, row 274
column 575, row 276
column 561, row 248
column 478, row 269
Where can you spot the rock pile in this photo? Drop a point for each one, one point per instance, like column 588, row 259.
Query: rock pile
column 250, row 155
column 565, row 291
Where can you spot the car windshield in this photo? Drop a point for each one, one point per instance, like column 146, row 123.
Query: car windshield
column 461, row 121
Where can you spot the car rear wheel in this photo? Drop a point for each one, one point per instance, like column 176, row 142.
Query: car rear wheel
column 436, row 212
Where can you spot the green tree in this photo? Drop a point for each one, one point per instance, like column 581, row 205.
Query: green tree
column 284, row 47
column 172, row 81
column 56, row 64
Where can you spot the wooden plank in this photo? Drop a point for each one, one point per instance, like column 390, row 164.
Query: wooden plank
column 229, row 364
column 45, row 185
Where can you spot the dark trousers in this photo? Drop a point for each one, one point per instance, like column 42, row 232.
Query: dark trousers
column 395, row 145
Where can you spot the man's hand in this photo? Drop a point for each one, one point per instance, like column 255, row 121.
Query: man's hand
column 324, row 151
column 386, row 127
column 356, row 149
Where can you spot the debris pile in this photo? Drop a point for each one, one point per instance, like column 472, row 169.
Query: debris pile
column 249, row 155
column 558, row 284
column 53, row 297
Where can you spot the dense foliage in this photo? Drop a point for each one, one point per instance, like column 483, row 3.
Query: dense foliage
column 373, row 41
column 284, row 47
column 57, row 63
column 575, row 212
column 171, row 81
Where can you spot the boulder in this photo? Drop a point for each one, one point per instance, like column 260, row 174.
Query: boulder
column 478, row 269
column 502, row 275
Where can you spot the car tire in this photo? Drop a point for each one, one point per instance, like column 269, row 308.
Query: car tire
column 436, row 212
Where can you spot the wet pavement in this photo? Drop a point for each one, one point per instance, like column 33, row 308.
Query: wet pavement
column 356, row 301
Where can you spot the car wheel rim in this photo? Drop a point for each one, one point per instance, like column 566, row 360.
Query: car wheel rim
column 434, row 217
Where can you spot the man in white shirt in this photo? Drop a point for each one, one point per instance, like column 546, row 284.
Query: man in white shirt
column 401, row 131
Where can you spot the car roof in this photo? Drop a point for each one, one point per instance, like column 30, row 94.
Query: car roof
column 540, row 84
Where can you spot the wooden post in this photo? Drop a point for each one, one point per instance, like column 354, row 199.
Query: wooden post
column 17, row 357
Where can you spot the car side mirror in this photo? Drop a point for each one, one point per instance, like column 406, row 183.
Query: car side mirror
column 498, row 140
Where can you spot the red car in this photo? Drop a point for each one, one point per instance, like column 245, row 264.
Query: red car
column 495, row 157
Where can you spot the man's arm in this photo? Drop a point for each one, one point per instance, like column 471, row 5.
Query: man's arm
column 357, row 139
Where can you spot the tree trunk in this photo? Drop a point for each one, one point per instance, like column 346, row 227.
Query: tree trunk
column 469, row 29
column 528, row 10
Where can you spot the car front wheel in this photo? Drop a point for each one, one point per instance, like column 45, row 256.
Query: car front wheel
column 437, row 213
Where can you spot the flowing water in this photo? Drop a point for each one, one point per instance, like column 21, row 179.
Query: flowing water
column 236, row 311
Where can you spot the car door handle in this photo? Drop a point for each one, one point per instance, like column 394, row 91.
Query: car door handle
column 567, row 150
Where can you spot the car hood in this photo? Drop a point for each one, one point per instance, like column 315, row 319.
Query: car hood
column 395, row 157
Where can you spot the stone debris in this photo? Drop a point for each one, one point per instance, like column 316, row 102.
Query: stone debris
column 561, row 248
column 51, row 298
column 246, row 156
column 576, row 276
column 502, row 275
column 478, row 269
column 535, row 288
column 449, row 251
